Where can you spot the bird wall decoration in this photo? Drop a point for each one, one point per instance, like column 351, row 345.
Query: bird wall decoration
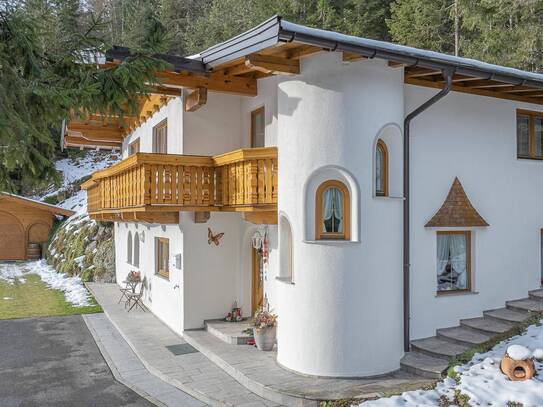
column 211, row 238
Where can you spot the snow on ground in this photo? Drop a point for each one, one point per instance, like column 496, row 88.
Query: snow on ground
column 74, row 169
column 77, row 202
column 73, row 288
column 482, row 380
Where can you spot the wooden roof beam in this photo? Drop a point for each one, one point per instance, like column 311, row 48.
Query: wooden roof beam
column 482, row 84
column 417, row 72
column 94, row 130
column 195, row 100
column 272, row 64
column 216, row 83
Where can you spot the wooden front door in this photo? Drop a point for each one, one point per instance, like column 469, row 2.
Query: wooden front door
column 258, row 280
column 12, row 238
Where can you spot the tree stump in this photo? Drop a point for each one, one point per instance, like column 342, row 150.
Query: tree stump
column 517, row 370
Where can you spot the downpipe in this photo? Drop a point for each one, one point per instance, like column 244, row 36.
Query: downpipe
column 447, row 75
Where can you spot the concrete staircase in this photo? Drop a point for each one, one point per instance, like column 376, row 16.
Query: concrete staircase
column 430, row 356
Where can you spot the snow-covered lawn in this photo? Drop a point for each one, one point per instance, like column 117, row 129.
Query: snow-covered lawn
column 482, row 381
column 74, row 291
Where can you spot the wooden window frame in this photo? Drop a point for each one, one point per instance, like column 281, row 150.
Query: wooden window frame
column 159, row 126
column 133, row 145
column 254, row 113
column 384, row 174
column 468, row 288
column 346, row 234
column 162, row 273
column 532, row 115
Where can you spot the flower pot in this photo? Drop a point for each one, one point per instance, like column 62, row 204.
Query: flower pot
column 265, row 338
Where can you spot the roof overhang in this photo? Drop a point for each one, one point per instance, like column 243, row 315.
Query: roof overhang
column 35, row 204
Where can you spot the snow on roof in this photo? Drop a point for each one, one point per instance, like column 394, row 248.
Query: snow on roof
column 43, row 205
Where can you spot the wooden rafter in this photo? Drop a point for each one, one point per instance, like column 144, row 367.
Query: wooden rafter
column 195, row 100
column 273, row 64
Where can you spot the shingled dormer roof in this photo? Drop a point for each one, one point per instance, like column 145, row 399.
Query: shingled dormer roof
column 457, row 210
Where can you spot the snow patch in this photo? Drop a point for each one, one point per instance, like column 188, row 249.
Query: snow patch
column 482, row 380
column 519, row 352
column 74, row 291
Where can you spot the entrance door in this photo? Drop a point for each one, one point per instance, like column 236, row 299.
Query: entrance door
column 258, row 280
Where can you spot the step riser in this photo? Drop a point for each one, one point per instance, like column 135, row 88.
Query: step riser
column 455, row 340
column 420, row 372
column 483, row 331
column 496, row 318
column 536, row 297
column 513, row 307
column 430, row 353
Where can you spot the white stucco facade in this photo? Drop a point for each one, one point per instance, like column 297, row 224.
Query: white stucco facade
column 341, row 310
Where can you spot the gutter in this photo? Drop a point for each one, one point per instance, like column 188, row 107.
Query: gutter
column 447, row 75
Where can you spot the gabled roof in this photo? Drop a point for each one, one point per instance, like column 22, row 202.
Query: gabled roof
column 457, row 210
column 36, row 204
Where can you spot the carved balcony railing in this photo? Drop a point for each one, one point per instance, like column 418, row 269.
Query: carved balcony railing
column 242, row 180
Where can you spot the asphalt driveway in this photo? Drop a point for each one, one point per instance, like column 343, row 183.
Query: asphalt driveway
column 55, row 362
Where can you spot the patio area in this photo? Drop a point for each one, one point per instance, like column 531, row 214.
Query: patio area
column 219, row 372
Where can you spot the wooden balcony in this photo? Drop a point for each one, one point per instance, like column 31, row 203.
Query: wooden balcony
column 155, row 187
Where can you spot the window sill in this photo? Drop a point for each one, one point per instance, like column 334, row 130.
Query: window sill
column 387, row 197
column 455, row 293
column 523, row 158
column 285, row 280
column 332, row 242
column 162, row 277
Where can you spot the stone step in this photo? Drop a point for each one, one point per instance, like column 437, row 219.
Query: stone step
column 537, row 294
column 462, row 336
column 424, row 365
column 505, row 314
column 489, row 326
column 525, row 304
column 229, row 332
column 438, row 348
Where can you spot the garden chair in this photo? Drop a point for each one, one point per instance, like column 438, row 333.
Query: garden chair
column 135, row 299
column 127, row 288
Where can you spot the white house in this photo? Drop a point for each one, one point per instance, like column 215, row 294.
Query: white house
column 293, row 140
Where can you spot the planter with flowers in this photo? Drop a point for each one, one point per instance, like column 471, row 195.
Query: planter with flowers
column 264, row 325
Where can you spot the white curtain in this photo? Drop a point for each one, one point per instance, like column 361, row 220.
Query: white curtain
column 378, row 169
column 332, row 205
column 452, row 249
column 458, row 259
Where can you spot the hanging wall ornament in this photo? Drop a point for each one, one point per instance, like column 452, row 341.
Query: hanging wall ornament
column 211, row 238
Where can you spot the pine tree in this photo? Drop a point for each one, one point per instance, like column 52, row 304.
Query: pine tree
column 45, row 75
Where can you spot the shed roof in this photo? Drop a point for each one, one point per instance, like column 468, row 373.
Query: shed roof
column 36, row 204
column 457, row 210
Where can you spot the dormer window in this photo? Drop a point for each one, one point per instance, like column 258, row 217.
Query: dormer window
column 332, row 217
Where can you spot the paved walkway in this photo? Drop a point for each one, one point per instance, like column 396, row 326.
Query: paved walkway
column 128, row 369
column 54, row 362
column 193, row 372
column 260, row 373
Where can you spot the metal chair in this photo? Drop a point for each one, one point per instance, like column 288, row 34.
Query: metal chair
column 135, row 299
column 124, row 291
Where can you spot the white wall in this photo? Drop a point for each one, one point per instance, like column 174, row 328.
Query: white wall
column 173, row 111
column 161, row 295
column 215, row 128
column 343, row 315
column 473, row 138
column 267, row 98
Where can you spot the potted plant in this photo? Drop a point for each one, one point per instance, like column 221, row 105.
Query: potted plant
column 264, row 325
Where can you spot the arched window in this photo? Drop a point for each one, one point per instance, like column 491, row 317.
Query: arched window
column 332, row 211
column 136, row 262
column 285, row 248
column 129, row 248
column 381, row 169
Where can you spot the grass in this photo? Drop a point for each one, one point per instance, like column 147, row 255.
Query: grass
column 35, row 299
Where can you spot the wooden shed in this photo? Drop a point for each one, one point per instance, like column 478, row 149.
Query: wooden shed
column 25, row 225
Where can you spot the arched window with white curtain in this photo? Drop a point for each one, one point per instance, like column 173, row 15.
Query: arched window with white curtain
column 332, row 211
column 129, row 248
column 136, row 254
column 381, row 169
